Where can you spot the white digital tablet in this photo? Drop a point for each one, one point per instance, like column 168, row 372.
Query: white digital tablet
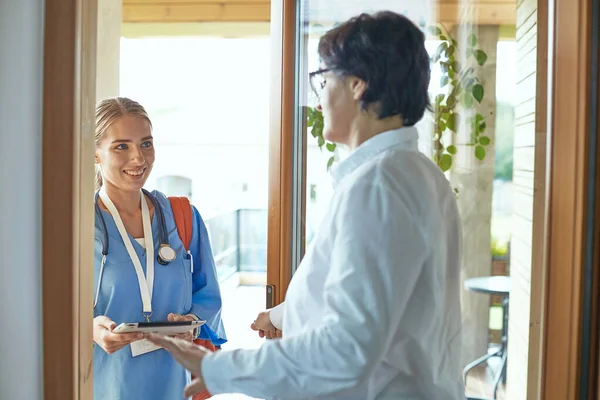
column 164, row 328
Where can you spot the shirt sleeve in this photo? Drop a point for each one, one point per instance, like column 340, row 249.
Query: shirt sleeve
column 377, row 256
column 206, row 294
column 276, row 315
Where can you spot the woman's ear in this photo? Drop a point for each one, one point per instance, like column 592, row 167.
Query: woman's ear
column 358, row 88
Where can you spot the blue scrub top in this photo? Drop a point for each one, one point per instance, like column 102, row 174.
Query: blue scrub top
column 154, row 375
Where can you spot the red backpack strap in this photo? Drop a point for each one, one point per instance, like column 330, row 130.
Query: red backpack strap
column 182, row 212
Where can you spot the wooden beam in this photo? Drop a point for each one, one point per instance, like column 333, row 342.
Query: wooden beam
column 214, row 29
column 198, row 12
column 486, row 12
column 175, row 3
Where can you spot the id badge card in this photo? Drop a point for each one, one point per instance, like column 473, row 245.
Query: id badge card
column 141, row 347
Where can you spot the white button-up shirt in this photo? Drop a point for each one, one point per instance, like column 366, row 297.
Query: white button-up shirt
column 373, row 311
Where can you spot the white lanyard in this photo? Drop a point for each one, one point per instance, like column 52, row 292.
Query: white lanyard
column 146, row 283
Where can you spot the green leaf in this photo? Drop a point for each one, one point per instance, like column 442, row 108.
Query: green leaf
column 454, row 42
column 469, row 82
column 440, row 50
column 472, row 40
column 321, row 141
column 484, row 140
column 330, row 162
column 444, row 67
column 451, row 149
column 481, row 127
column 479, row 119
column 310, row 116
column 317, row 127
column 442, row 125
column 314, row 131
column 444, row 80
column 451, row 50
column 442, row 37
column 434, row 30
column 330, row 147
column 480, row 56
column 479, row 153
column 445, row 162
column 451, row 74
column 451, row 122
column 439, row 98
column 478, row 92
column 451, row 101
column 467, row 100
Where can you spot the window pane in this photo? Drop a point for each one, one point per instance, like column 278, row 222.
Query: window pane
column 209, row 108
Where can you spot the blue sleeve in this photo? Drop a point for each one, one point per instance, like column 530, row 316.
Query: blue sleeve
column 206, row 294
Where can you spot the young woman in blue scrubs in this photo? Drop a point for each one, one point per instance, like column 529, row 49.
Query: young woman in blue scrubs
column 131, row 287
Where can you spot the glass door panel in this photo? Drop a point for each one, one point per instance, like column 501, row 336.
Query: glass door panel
column 481, row 133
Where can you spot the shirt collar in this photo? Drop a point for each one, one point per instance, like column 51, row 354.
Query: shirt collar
column 404, row 137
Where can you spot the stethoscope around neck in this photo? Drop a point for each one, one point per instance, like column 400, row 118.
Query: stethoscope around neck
column 166, row 254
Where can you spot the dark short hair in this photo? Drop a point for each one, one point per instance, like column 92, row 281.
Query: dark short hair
column 387, row 51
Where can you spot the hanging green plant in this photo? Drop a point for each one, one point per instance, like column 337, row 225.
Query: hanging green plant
column 314, row 121
column 461, row 90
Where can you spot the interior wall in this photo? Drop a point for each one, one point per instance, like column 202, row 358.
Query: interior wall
column 21, row 55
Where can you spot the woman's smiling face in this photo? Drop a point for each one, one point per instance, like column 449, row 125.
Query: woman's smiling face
column 125, row 153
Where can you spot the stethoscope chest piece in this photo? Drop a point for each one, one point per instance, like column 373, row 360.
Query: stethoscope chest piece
column 166, row 254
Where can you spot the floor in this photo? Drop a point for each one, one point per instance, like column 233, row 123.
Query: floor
column 480, row 383
column 241, row 304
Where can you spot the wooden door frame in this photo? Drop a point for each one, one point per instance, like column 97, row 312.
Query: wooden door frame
column 594, row 380
column 67, row 192
column 281, row 147
column 593, row 273
column 567, row 157
column 68, row 103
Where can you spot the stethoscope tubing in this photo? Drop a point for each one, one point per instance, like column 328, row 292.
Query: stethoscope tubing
column 163, row 235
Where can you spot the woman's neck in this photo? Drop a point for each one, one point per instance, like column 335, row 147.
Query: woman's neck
column 370, row 125
column 126, row 202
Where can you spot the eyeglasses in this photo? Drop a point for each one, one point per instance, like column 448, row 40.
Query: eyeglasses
column 317, row 81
